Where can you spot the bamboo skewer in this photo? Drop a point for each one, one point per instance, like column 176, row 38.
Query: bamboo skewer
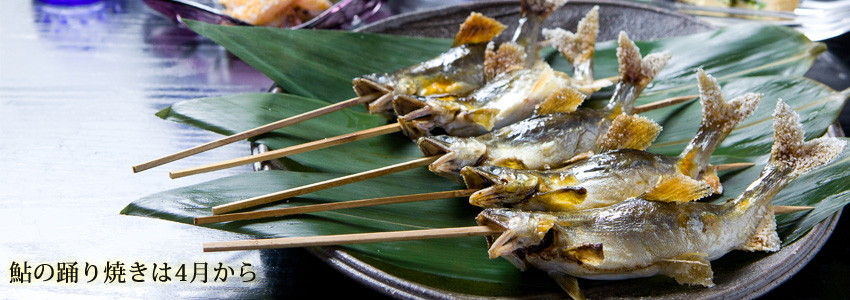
column 351, row 137
column 357, row 238
column 294, row 192
column 376, row 237
column 662, row 103
column 256, row 131
column 332, row 206
column 732, row 166
column 315, row 145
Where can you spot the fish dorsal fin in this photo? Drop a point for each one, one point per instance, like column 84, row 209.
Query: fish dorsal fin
column 688, row 268
column 477, row 29
column 508, row 57
column 630, row 132
column 562, row 100
column 679, row 188
column 579, row 157
column 765, row 237
column 568, row 283
column 562, row 199
column 709, row 176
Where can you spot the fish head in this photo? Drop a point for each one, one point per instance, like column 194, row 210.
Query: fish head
column 419, row 116
column 524, row 233
column 458, row 152
column 500, row 186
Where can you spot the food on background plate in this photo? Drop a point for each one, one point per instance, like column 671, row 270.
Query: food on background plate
column 608, row 178
column 275, row 13
column 642, row 238
column 769, row 5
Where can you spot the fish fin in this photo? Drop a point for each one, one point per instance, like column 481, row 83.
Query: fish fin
column 477, row 29
column 568, row 283
column 510, row 162
column 790, row 150
column 579, row 47
column 679, row 188
column 636, row 73
column 719, row 117
column 590, row 254
column 689, row 268
column 637, row 70
column 563, row 199
column 765, row 237
column 509, row 57
column 630, row 132
column 709, row 176
column 562, row 100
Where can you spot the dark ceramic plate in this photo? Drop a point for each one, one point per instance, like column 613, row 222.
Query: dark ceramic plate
column 736, row 276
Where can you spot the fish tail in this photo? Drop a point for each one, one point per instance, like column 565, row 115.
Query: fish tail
column 579, row 47
column 790, row 157
column 636, row 73
column 477, row 29
column 534, row 12
column 790, row 152
column 719, row 118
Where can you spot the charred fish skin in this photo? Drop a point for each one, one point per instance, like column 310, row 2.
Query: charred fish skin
column 640, row 238
column 458, row 71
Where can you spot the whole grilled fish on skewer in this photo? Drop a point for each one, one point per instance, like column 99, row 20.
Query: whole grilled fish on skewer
column 518, row 81
column 458, row 71
column 641, row 238
column 557, row 133
column 611, row 177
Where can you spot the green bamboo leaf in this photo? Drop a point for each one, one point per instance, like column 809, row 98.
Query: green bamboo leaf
column 321, row 64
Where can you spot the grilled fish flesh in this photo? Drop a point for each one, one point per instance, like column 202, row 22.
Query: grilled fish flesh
column 641, row 238
column 611, row 177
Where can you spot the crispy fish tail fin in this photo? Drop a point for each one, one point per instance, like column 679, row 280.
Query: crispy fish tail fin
column 578, row 48
column 719, row 117
column 636, row 73
column 791, row 152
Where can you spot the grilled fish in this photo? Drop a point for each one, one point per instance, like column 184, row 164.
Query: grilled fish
column 641, row 238
column 579, row 49
column 559, row 131
column 458, row 71
column 610, row 177
column 518, row 81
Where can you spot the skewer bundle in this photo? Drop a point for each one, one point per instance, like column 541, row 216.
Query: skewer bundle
column 487, row 230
